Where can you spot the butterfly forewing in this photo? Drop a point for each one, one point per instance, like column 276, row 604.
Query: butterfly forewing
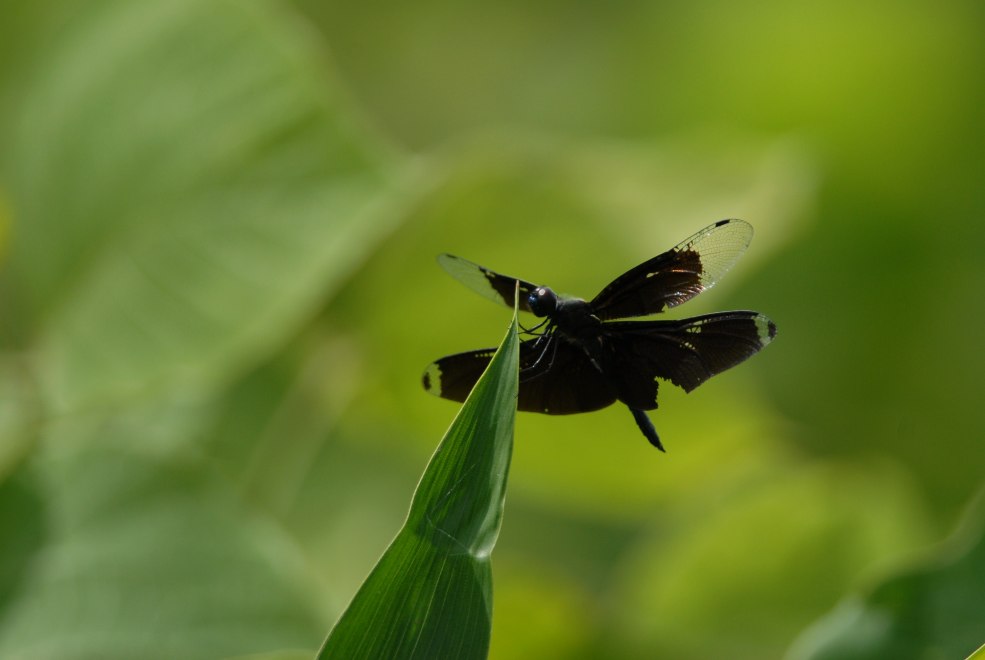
column 564, row 381
column 487, row 283
column 686, row 352
column 677, row 275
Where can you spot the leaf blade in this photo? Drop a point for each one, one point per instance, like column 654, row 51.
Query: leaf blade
column 430, row 595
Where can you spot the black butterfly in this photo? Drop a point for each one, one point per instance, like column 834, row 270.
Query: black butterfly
column 584, row 359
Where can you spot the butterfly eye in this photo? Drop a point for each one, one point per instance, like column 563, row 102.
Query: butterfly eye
column 542, row 302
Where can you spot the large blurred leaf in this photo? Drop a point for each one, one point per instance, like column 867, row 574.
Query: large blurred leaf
column 430, row 595
column 122, row 555
column 20, row 411
column 715, row 579
column 933, row 610
column 185, row 183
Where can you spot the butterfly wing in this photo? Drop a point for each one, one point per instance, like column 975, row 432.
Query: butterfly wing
column 686, row 352
column 677, row 275
column 487, row 283
column 562, row 382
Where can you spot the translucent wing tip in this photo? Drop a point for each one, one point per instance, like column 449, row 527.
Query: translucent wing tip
column 719, row 245
column 448, row 261
column 738, row 230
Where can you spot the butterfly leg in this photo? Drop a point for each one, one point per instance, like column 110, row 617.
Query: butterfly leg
column 643, row 421
column 551, row 346
column 531, row 331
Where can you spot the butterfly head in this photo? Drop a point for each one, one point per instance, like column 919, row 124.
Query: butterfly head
column 542, row 301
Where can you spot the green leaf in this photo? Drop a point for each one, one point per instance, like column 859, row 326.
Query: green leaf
column 184, row 183
column 108, row 553
column 830, row 517
column 935, row 609
column 430, row 595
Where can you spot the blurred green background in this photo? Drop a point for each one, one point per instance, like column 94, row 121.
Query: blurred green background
column 218, row 224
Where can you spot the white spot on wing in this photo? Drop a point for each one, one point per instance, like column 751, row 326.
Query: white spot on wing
column 432, row 376
column 765, row 329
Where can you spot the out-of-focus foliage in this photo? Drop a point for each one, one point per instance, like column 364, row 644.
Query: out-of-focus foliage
column 152, row 150
column 111, row 553
column 430, row 595
column 930, row 610
column 217, row 230
column 183, row 187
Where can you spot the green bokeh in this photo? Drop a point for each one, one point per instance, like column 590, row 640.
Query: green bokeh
column 218, row 225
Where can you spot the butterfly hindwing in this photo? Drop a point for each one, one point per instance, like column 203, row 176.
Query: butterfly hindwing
column 453, row 376
column 686, row 352
column 564, row 381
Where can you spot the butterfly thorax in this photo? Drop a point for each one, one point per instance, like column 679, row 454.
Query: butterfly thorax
column 573, row 320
